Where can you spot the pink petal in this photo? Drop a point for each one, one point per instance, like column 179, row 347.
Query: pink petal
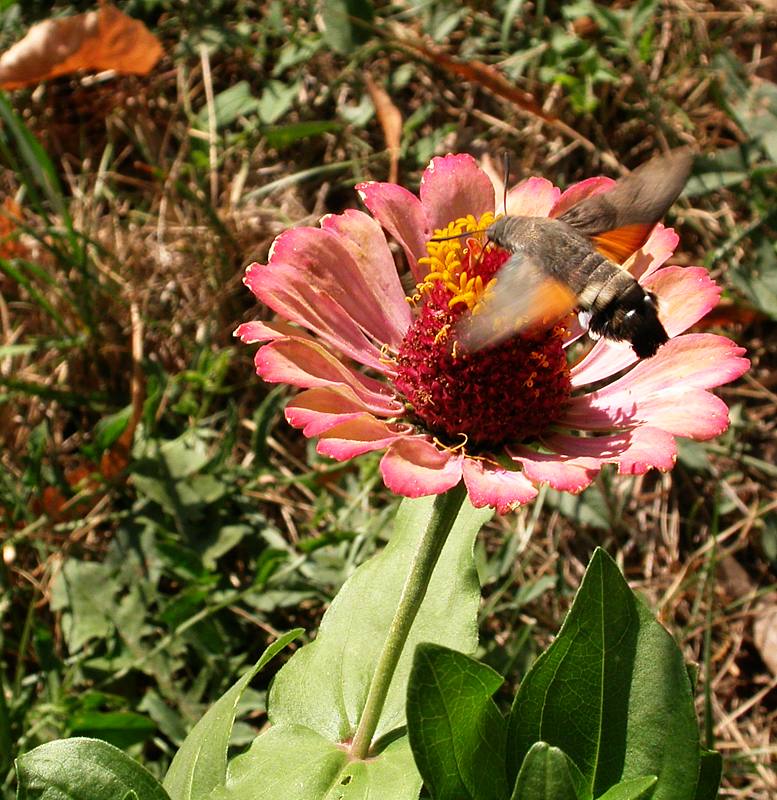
column 634, row 451
column 496, row 176
column 685, row 295
column 489, row 485
column 400, row 212
column 659, row 246
column 365, row 240
column 692, row 361
column 695, row 413
column 535, row 197
column 317, row 410
column 560, row 472
column 414, row 467
column 284, row 289
column 306, row 364
column 325, row 264
column 257, row 331
column 359, row 435
column 453, row 187
column 662, row 390
column 579, row 191
column 605, row 358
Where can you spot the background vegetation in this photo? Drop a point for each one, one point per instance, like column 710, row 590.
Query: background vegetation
column 160, row 522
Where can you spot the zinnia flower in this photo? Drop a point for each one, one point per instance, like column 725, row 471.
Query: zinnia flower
column 382, row 371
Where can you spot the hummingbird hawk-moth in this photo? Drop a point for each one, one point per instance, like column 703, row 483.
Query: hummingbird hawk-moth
column 576, row 257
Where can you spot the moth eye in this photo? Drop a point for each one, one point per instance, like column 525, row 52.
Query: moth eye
column 631, row 313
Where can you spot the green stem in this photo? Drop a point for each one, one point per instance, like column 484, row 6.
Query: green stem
column 444, row 514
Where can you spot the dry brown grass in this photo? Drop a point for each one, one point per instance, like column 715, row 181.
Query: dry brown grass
column 170, row 235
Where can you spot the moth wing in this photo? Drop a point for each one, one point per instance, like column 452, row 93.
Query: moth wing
column 618, row 245
column 523, row 297
column 644, row 196
column 620, row 219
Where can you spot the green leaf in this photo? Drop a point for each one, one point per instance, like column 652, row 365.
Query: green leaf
column 324, row 685
column 756, row 112
column 547, row 774
column 357, row 114
column 223, row 540
column 290, row 762
column 636, row 789
column 109, row 428
column 612, row 692
column 87, row 612
column 588, row 508
column 83, row 769
column 168, row 720
column 234, row 102
column 277, row 98
column 295, row 763
column 120, row 728
column 693, row 455
column 200, row 766
column 720, row 169
column 285, row 135
column 185, row 456
column 347, row 23
column 710, row 770
column 757, row 280
column 265, row 416
column 455, row 729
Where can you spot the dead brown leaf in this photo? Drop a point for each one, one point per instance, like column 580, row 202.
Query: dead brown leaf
column 98, row 40
column 765, row 635
column 390, row 119
column 764, row 611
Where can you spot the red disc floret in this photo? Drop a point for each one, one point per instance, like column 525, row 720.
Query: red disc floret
column 505, row 393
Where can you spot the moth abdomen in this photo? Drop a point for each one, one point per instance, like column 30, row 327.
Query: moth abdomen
column 630, row 316
column 588, row 277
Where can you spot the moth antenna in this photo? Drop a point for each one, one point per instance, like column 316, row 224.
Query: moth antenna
column 506, row 172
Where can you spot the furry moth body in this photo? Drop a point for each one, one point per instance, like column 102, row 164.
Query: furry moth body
column 570, row 251
column 620, row 309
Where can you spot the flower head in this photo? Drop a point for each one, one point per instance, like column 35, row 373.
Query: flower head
column 382, row 371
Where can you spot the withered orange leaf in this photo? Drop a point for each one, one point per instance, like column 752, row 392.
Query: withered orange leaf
column 10, row 220
column 390, row 119
column 98, row 40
